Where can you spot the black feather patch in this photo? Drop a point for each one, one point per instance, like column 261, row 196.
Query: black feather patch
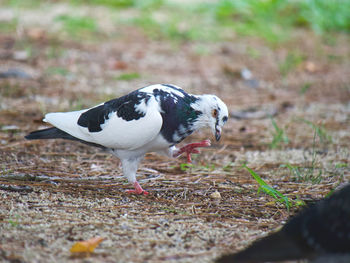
column 93, row 118
column 124, row 107
column 177, row 113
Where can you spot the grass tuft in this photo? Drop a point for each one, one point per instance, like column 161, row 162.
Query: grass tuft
column 305, row 174
column 319, row 130
column 279, row 136
column 311, row 173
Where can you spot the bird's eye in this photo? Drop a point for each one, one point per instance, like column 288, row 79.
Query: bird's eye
column 215, row 113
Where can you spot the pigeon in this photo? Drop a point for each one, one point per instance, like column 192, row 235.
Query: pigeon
column 319, row 233
column 152, row 119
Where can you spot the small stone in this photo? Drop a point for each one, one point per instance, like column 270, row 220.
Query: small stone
column 9, row 128
column 21, row 55
column 215, row 195
column 246, row 74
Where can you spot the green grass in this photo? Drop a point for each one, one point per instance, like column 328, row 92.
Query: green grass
column 186, row 166
column 341, row 165
column 193, row 168
column 278, row 136
column 57, row 71
column 54, row 51
column 8, row 26
column 29, row 4
column 77, row 26
column 305, row 174
column 267, row 189
column 319, row 130
column 117, row 4
column 304, row 88
column 274, row 19
column 228, row 167
column 291, row 62
column 188, row 26
column 109, row 3
column 129, row 76
column 4, row 170
column 174, row 210
column 326, row 15
column 311, row 173
column 14, row 220
column 271, row 20
column 253, row 53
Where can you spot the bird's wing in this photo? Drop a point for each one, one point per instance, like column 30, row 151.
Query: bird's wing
column 127, row 123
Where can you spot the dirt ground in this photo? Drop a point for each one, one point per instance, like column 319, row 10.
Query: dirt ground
column 54, row 193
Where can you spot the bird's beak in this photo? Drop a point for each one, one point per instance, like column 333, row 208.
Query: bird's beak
column 217, row 132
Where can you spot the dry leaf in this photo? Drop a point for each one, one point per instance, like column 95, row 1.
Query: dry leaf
column 87, row 246
column 36, row 33
column 119, row 65
column 310, row 67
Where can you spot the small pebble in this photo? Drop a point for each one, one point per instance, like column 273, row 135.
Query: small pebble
column 215, row 195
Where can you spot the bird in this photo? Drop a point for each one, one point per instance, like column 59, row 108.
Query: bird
column 319, row 233
column 151, row 119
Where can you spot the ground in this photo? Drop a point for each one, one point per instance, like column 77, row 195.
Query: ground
column 290, row 113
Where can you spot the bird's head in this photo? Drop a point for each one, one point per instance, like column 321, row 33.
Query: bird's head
column 214, row 113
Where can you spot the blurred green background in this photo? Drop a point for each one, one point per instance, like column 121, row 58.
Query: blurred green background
column 272, row 20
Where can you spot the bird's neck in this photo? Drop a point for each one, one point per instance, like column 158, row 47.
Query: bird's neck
column 201, row 109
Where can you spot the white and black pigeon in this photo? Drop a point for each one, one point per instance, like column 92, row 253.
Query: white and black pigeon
column 319, row 233
column 150, row 119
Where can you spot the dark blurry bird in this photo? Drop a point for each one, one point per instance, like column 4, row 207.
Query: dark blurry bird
column 150, row 119
column 320, row 233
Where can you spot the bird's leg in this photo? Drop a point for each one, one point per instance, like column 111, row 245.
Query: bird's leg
column 130, row 166
column 191, row 148
column 138, row 189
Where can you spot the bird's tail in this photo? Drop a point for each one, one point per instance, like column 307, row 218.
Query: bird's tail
column 55, row 133
column 49, row 133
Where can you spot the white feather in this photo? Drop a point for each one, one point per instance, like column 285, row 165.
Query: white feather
column 116, row 133
column 66, row 121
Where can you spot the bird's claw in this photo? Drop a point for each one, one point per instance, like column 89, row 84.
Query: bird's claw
column 191, row 148
column 138, row 190
column 143, row 192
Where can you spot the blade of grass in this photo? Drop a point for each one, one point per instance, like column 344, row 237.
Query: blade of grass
column 279, row 135
column 278, row 196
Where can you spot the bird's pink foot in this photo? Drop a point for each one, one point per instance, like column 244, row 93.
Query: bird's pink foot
column 191, row 148
column 138, row 190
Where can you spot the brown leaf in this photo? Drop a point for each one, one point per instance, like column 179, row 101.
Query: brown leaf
column 87, row 246
column 119, row 65
column 36, row 33
column 309, row 66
